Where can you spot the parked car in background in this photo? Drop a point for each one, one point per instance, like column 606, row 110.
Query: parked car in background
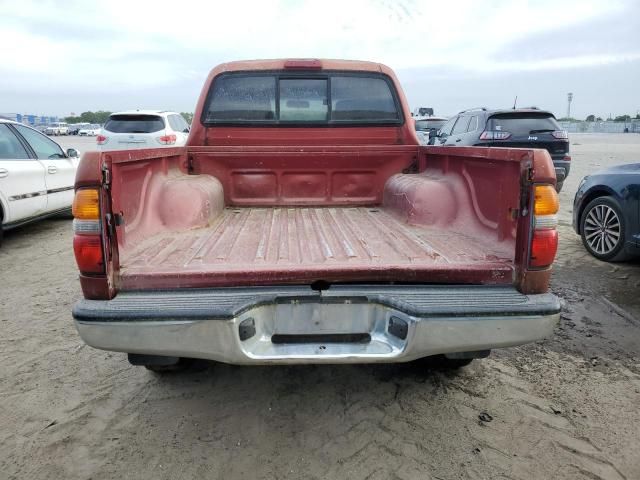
column 74, row 128
column 523, row 127
column 57, row 128
column 36, row 175
column 427, row 127
column 606, row 212
column 143, row 129
column 90, row 131
column 422, row 112
column 304, row 223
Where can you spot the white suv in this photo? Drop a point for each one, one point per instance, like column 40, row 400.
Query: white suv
column 143, row 129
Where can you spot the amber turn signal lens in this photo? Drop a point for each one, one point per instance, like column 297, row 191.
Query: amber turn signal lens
column 86, row 204
column 546, row 200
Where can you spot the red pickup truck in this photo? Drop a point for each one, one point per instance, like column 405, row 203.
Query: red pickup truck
column 304, row 223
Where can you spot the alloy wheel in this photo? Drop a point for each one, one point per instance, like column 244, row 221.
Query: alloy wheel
column 602, row 229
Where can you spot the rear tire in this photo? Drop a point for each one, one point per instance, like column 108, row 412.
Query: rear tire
column 159, row 363
column 442, row 363
column 454, row 363
column 559, row 186
column 183, row 364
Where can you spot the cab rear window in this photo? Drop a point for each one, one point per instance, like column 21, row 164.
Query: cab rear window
column 523, row 123
column 134, row 124
column 283, row 99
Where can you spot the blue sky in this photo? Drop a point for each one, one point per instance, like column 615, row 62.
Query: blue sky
column 62, row 57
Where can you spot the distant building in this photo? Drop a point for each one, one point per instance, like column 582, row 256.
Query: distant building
column 29, row 119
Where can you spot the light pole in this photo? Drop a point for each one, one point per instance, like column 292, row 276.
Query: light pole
column 569, row 98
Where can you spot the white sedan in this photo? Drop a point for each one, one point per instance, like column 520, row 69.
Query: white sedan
column 36, row 175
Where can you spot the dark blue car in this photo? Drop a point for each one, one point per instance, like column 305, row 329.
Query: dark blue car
column 606, row 212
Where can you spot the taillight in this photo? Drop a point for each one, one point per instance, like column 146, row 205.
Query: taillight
column 87, row 239
column 101, row 139
column 567, row 158
column 544, row 241
column 167, row 139
column 494, row 135
column 562, row 134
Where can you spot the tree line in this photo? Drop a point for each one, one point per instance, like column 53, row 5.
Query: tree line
column 101, row 116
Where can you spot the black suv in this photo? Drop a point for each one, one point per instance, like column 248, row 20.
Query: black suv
column 522, row 127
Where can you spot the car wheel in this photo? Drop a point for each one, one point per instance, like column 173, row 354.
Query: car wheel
column 602, row 228
column 559, row 186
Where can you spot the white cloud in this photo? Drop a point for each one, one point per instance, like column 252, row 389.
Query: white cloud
column 124, row 45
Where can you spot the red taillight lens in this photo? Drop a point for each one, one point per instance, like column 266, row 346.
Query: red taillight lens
column 544, row 246
column 567, row 158
column 562, row 134
column 101, row 139
column 88, row 252
column 167, row 139
column 494, row 135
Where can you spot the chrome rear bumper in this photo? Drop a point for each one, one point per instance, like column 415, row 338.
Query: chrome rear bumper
column 345, row 324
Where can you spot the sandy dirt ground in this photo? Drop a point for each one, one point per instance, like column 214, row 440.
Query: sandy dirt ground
column 566, row 407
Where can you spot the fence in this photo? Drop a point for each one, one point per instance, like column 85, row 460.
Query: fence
column 601, row 127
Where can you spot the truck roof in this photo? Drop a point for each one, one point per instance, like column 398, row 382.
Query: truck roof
column 299, row 63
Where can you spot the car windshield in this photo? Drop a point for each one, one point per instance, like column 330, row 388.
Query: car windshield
column 424, row 125
column 523, row 123
column 134, row 124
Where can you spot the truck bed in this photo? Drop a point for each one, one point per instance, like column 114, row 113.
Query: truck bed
column 307, row 244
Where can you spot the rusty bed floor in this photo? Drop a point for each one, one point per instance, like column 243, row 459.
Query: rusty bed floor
column 271, row 239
